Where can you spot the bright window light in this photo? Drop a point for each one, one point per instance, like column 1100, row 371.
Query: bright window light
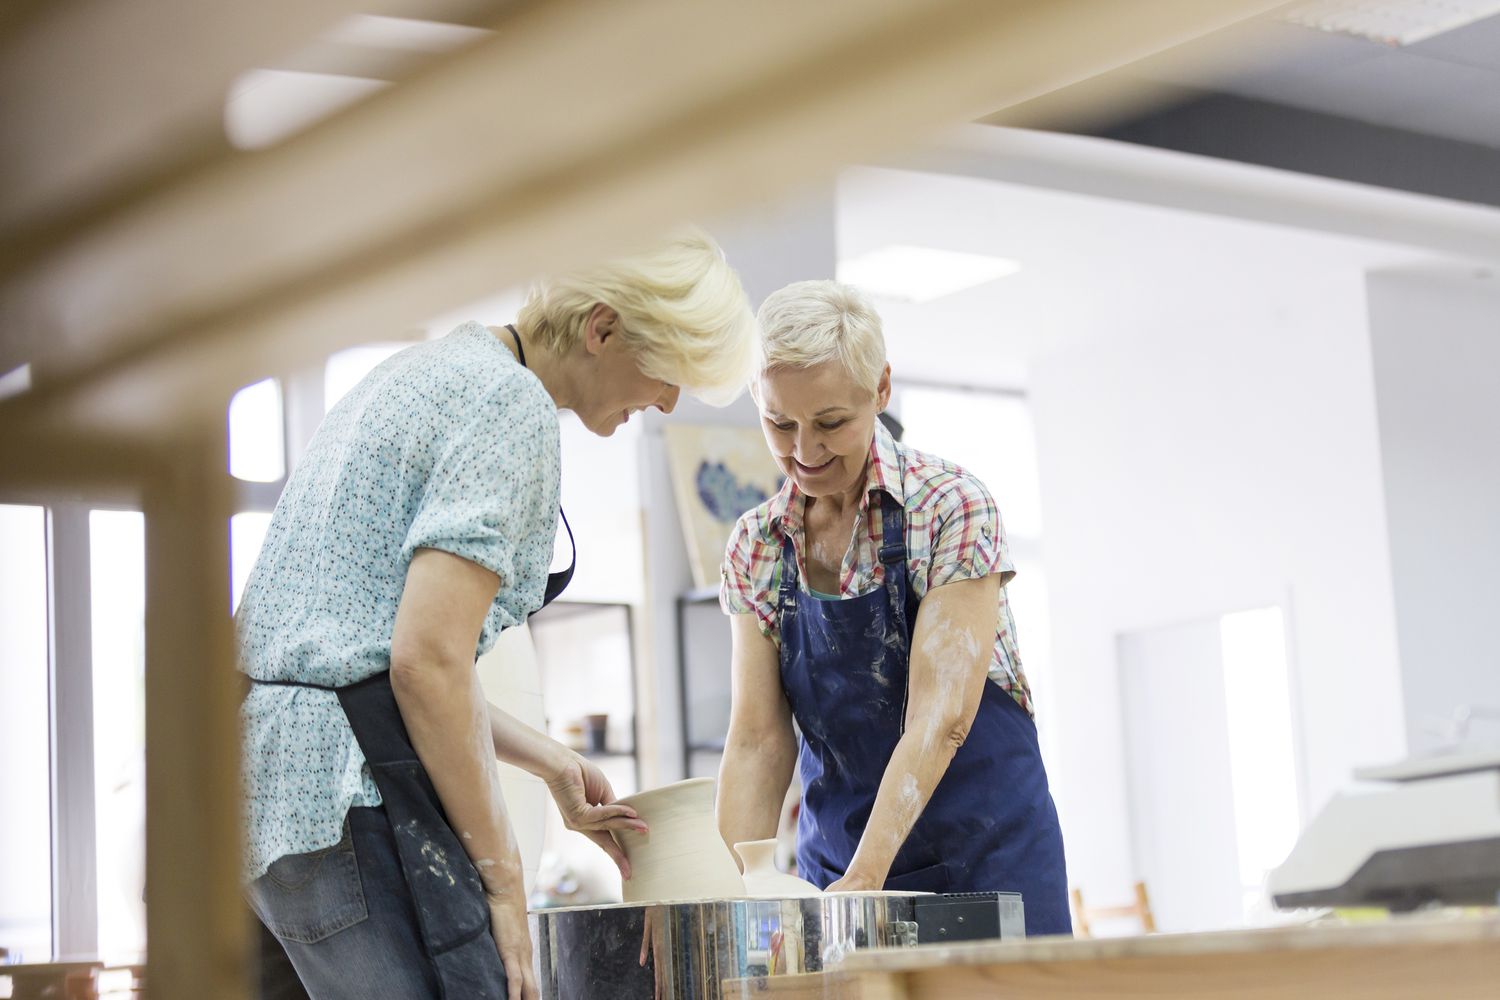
column 346, row 368
column 247, row 531
column 15, row 382
column 25, row 758
column 117, row 585
column 920, row 274
column 257, row 450
column 1262, row 751
column 987, row 434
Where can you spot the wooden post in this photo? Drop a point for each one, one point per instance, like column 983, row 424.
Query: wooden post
column 197, row 935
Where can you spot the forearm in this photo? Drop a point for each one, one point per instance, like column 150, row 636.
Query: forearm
column 753, row 780
column 918, row 763
column 447, row 718
column 521, row 746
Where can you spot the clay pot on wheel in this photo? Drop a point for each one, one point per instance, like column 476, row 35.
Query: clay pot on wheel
column 682, row 856
column 764, row 879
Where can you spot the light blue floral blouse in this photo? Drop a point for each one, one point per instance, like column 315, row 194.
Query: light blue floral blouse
column 448, row 445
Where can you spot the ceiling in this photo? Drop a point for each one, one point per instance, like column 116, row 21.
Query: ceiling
column 1093, row 271
column 1447, row 86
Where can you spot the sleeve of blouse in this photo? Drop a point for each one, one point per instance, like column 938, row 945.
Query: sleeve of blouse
column 492, row 494
column 736, row 591
column 969, row 539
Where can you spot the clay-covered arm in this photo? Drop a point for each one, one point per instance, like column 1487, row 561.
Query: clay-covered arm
column 522, row 746
column 437, row 690
column 950, row 656
column 582, row 792
column 760, row 749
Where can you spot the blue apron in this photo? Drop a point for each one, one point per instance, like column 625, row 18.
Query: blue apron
column 989, row 826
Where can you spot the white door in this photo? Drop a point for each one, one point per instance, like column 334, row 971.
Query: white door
column 1211, row 766
column 1177, row 765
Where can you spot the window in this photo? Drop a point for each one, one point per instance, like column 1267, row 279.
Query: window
column 25, row 753
column 117, row 582
column 257, row 451
column 247, row 530
column 990, row 435
column 347, row 367
column 1262, row 749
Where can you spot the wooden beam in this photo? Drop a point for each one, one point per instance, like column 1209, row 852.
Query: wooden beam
column 578, row 127
column 40, row 465
column 196, row 921
column 103, row 96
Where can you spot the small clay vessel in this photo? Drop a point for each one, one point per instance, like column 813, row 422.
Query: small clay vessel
column 763, row 879
column 682, row 855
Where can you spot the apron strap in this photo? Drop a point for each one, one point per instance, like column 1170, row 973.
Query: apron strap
column 893, row 561
column 558, row 582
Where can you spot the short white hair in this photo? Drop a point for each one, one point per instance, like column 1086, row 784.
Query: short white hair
column 810, row 322
column 683, row 314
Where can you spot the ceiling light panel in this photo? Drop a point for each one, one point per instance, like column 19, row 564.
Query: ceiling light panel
column 921, row 274
column 1391, row 22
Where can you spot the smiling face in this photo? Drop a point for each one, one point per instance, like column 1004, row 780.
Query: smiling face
column 819, row 423
column 615, row 387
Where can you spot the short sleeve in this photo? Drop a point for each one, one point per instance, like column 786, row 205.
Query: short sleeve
column 969, row 539
column 735, row 589
column 492, row 494
column 748, row 575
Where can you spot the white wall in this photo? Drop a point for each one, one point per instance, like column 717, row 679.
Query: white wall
column 1213, row 451
column 1436, row 339
column 791, row 242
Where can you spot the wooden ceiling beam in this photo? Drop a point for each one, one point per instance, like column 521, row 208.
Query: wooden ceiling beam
column 102, row 97
column 578, row 127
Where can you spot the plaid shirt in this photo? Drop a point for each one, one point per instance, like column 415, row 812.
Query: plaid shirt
column 953, row 532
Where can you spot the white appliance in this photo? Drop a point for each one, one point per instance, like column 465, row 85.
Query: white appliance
column 1429, row 834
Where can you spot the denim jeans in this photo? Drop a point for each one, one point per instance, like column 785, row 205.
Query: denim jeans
column 346, row 927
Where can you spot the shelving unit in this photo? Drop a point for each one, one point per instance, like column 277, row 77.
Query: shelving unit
column 699, row 618
column 586, row 653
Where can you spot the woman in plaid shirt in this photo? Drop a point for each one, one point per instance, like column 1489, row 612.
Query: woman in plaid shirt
column 868, row 605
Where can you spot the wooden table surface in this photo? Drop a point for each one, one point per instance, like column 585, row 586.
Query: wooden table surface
column 1447, row 958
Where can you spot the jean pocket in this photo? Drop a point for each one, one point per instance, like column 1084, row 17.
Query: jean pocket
column 309, row 897
column 933, row 878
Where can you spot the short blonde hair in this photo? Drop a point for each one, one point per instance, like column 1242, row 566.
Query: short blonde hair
column 682, row 313
column 810, row 322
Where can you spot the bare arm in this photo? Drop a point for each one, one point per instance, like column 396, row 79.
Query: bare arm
column 442, row 610
column 582, row 792
column 760, row 750
column 950, row 656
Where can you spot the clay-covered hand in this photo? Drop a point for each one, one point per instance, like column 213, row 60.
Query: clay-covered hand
column 587, row 804
column 855, row 882
column 513, row 939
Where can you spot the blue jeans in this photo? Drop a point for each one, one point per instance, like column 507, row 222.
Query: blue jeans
column 346, row 927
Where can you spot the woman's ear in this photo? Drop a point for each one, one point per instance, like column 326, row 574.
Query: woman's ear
column 603, row 323
column 883, row 390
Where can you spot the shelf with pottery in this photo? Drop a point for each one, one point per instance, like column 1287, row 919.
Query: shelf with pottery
column 573, row 660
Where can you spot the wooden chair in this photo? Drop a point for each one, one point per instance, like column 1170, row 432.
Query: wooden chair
column 1140, row 909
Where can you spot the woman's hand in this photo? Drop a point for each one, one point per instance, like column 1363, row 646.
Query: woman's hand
column 513, row 940
column 855, row 882
column 587, row 804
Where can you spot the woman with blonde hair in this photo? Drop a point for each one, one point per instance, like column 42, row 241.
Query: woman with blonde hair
column 418, row 525
column 868, row 606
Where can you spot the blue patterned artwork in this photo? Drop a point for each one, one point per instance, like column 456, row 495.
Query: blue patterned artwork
column 724, row 496
column 718, row 473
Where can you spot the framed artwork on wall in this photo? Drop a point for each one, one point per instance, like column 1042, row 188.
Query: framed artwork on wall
column 718, row 473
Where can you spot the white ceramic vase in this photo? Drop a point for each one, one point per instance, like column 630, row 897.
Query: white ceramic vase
column 682, row 855
column 763, row 879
